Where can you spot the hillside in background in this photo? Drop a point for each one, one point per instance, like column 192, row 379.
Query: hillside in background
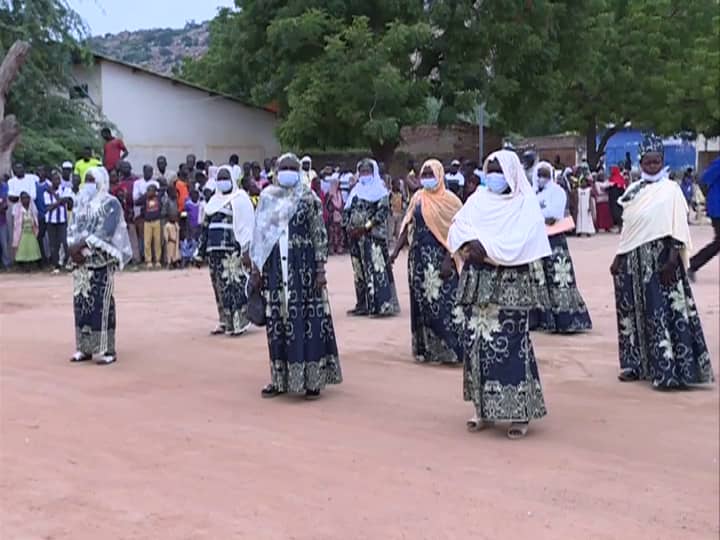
column 159, row 49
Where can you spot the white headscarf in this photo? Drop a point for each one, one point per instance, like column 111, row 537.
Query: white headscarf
column 99, row 221
column 510, row 227
column 373, row 191
column 242, row 209
column 276, row 207
column 536, row 179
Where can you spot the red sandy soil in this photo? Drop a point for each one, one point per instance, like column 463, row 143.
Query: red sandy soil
column 174, row 442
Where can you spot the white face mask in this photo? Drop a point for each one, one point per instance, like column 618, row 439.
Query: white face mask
column 429, row 183
column 89, row 188
column 365, row 179
column 288, row 178
column 654, row 177
column 224, row 186
column 543, row 181
column 496, row 182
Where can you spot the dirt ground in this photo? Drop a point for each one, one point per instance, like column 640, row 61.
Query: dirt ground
column 174, row 442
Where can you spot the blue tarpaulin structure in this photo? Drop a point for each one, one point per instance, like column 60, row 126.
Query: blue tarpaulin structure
column 679, row 153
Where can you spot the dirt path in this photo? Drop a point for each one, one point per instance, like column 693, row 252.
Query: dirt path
column 174, row 442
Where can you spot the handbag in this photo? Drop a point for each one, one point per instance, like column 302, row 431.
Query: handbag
column 255, row 305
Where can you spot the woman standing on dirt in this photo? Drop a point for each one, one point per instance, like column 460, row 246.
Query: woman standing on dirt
column 565, row 311
column 367, row 210
column 660, row 337
column 99, row 245
column 435, row 323
column 225, row 242
column 289, row 251
column 500, row 232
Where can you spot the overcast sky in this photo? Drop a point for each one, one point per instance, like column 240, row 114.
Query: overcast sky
column 114, row 16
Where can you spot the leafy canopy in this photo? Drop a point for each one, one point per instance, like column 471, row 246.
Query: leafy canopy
column 54, row 128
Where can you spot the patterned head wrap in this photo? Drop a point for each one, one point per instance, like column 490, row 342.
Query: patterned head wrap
column 651, row 143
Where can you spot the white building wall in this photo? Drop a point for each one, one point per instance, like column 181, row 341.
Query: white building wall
column 157, row 116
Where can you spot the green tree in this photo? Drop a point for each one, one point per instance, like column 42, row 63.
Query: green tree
column 53, row 127
column 360, row 91
column 341, row 72
column 653, row 63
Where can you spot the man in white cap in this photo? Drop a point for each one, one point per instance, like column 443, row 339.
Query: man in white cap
column 66, row 175
column 307, row 174
column 454, row 179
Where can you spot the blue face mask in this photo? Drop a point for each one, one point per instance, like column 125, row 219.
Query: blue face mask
column 288, row 179
column 496, row 182
column 365, row 179
column 224, row 186
column 429, row 183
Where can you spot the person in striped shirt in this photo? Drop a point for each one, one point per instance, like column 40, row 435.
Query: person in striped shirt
column 56, row 218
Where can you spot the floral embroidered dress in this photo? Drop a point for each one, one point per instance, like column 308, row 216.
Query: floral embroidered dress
column 374, row 282
column 228, row 276
column 435, row 320
column 500, row 374
column 98, row 222
column 565, row 312
column 659, row 332
column 300, row 332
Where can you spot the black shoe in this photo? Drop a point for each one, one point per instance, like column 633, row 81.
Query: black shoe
column 628, row 375
column 311, row 395
column 358, row 312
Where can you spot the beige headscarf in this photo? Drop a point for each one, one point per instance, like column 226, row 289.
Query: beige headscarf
column 438, row 206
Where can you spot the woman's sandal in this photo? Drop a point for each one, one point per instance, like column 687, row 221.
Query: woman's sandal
column 106, row 359
column 270, row 391
column 312, row 395
column 219, row 329
column 80, row 357
column 517, row 430
column 476, row 424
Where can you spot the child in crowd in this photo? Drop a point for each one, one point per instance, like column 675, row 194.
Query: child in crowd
column 151, row 213
column 192, row 207
column 25, row 229
column 172, row 241
column 207, row 194
column 398, row 203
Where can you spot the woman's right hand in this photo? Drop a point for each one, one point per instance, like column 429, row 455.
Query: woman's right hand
column 474, row 252
column 255, row 280
column 615, row 266
column 393, row 256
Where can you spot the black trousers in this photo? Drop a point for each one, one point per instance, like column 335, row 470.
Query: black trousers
column 42, row 230
column 708, row 252
column 57, row 237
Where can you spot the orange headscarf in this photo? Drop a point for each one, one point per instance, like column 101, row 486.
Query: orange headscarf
column 439, row 206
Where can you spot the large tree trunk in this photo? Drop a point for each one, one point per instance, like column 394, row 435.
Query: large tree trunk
column 591, row 142
column 596, row 148
column 384, row 153
column 9, row 127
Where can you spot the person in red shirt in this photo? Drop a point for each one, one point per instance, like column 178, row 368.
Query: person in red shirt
column 114, row 150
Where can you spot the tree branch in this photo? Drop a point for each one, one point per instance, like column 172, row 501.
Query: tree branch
column 12, row 63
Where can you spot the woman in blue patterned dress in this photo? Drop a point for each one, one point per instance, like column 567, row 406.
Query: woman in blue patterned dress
column 660, row 337
column 435, row 322
column 289, row 252
column 225, row 243
column 565, row 311
column 366, row 218
column 98, row 245
column 500, row 232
